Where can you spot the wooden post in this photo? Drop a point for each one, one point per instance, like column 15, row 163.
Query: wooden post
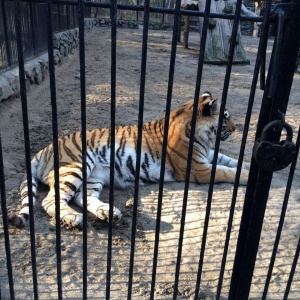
column 187, row 5
column 186, row 31
column 257, row 12
column 179, row 29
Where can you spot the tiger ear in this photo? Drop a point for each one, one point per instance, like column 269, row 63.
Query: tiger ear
column 209, row 108
column 206, row 95
column 212, row 102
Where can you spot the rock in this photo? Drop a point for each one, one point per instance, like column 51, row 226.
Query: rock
column 13, row 79
column 6, row 90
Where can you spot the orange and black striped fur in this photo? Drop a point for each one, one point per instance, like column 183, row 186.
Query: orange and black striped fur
column 98, row 161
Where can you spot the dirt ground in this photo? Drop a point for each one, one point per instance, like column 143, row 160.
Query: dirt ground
column 98, row 115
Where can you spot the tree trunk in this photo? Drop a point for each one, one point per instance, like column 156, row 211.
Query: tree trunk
column 257, row 12
column 219, row 34
column 186, row 31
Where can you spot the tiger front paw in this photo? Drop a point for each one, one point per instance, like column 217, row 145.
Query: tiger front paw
column 244, row 177
column 246, row 165
column 103, row 213
column 72, row 221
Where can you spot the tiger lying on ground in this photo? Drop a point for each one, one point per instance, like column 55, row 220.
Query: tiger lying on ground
column 98, row 161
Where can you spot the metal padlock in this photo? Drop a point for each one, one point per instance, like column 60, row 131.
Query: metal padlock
column 273, row 156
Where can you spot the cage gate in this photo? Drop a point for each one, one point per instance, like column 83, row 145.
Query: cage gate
column 275, row 99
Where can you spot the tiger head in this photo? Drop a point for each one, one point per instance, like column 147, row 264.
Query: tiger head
column 207, row 116
column 228, row 125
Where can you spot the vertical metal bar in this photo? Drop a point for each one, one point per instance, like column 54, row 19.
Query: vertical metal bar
column 191, row 144
column 259, row 59
column 27, row 141
column 254, row 230
column 139, row 142
column 253, row 173
column 137, row 12
column 289, row 54
column 262, row 72
column 277, row 50
column 83, row 137
column 68, row 16
column 281, row 220
column 265, row 31
column 32, row 28
column 55, row 149
column 294, row 265
column 165, row 142
column 217, row 144
column 113, row 16
column 7, row 45
column 59, row 17
column 5, row 226
column 74, row 14
column 247, row 209
column 257, row 192
column 163, row 15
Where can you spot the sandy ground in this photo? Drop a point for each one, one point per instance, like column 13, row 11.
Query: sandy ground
column 98, row 115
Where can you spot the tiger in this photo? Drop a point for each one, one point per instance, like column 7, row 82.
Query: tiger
column 98, row 142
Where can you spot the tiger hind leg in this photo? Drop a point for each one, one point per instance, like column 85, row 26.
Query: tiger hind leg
column 20, row 219
column 94, row 204
column 70, row 181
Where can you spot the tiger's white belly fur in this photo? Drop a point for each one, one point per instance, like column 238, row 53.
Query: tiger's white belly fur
column 123, row 178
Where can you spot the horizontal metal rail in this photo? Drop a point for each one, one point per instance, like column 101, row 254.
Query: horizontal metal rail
column 151, row 9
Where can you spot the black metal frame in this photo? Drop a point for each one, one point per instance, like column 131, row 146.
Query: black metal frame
column 275, row 99
column 277, row 88
column 34, row 24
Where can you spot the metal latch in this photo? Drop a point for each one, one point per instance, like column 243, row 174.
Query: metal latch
column 273, row 156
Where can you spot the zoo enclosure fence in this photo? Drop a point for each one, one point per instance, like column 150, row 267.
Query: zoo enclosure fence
column 34, row 25
column 65, row 17
column 277, row 87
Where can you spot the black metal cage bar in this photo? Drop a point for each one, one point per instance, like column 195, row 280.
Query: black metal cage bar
column 23, row 96
column 292, row 272
column 259, row 58
column 113, row 14
column 33, row 26
column 5, row 49
column 217, row 144
column 139, row 143
column 5, row 227
column 164, row 145
column 281, row 221
column 275, row 99
column 83, row 143
column 55, row 150
column 189, row 161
